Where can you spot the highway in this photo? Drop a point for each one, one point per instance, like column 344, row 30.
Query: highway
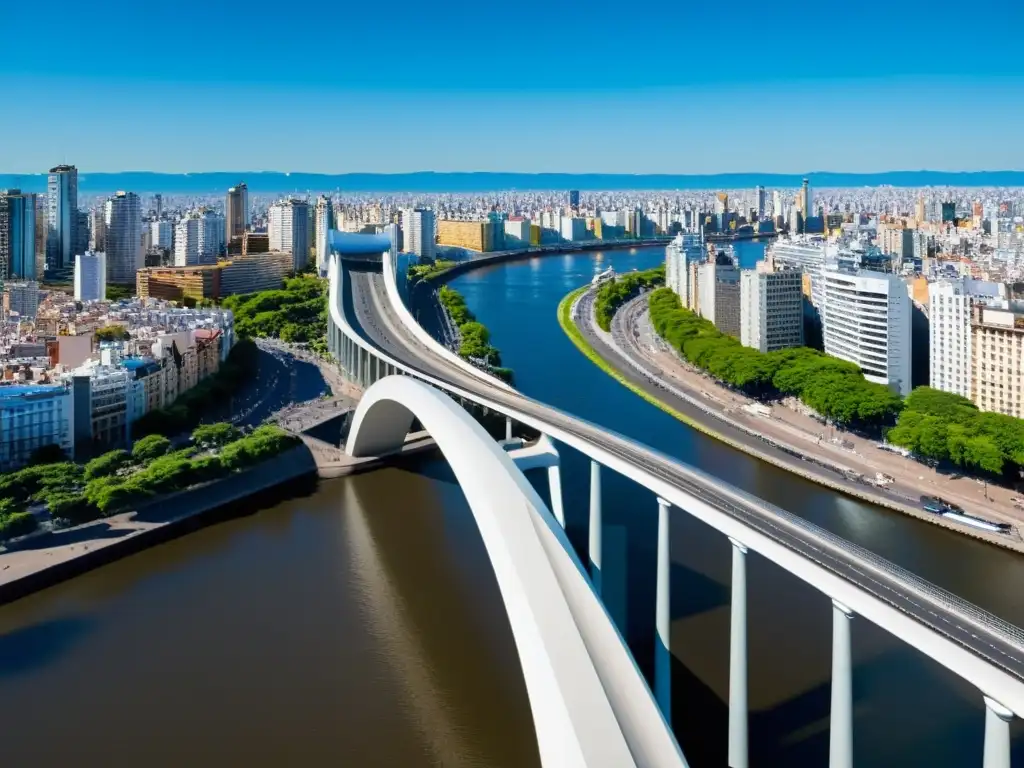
column 984, row 635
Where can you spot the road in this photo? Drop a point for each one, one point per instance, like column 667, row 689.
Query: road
column 983, row 634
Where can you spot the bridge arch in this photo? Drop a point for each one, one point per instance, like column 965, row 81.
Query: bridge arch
column 573, row 718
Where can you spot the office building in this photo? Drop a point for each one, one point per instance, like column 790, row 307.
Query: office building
column 806, row 254
column 324, row 225
column 950, row 313
column 162, row 234
column 574, row 199
column 123, row 220
column 288, row 228
column 866, row 320
column 91, row 276
column 684, row 250
column 82, row 235
column 471, row 235
column 61, row 216
column 718, row 294
column 236, row 211
column 806, row 201
column 21, row 298
column 97, row 230
column 17, row 235
column 240, row 274
column 33, row 416
column 998, row 358
column 771, row 309
column 418, row 232
column 759, row 202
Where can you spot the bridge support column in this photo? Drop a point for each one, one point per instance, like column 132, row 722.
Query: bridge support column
column 662, row 619
column 997, row 735
column 840, row 740
column 738, row 659
column 555, row 491
column 508, row 428
column 595, row 526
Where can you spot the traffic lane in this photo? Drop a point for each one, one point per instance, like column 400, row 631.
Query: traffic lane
column 992, row 647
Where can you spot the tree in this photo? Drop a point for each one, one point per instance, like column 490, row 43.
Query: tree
column 107, row 464
column 215, row 435
column 150, row 447
column 112, row 333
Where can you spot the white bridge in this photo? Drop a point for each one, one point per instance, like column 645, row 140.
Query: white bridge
column 590, row 704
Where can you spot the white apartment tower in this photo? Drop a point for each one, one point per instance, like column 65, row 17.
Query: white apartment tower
column 288, row 228
column 771, row 309
column 123, row 220
column 162, row 234
column 324, row 225
column 418, row 231
column 186, row 242
column 680, row 253
column 866, row 320
column 949, row 314
column 211, row 237
column 91, row 276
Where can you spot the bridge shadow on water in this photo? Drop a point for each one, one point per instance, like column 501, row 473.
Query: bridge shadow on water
column 27, row 648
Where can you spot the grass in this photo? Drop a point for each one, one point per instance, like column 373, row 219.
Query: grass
column 576, row 336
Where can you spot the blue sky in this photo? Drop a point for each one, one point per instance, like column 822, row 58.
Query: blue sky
column 534, row 87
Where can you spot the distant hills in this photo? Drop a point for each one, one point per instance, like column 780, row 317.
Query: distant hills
column 269, row 182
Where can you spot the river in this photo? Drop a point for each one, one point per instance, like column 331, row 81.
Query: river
column 361, row 625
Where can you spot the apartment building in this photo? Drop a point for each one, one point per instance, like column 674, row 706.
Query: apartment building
column 950, row 313
column 997, row 358
column 33, row 416
column 771, row 309
column 866, row 320
column 718, row 294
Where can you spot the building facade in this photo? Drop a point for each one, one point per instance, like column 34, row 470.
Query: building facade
column 866, row 320
column 324, row 225
column 719, row 294
column 123, row 219
column 61, row 216
column 186, row 242
column 471, row 235
column 17, row 235
column 288, row 227
column 771, row 309
column 22, row 297
column 997, row 358
column 91, row 276
column 419, row 232
column 950, row 305
column 684, row 250
column 31, row 417
column 162, row 235
column 236, row 211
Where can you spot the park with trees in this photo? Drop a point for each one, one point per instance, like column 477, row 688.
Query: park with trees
column 295, row 313
column 119, row 480
column 617, row 291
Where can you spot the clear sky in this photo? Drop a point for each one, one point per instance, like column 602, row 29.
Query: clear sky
column 608, row 87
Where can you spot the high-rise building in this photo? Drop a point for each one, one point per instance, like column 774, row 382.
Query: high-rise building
column 82, row 233
column 950, row 310
column 97, row 230
column 211, row 236
column 21, row 297
column 123, row 219
column 866, row 320
column 759, row 202
column 998, row 358
column 186, row 242
column 17, row 235
column 236, row 211
column 162, row 234
column 288, row 227
column 418, row 231
column 158, row 200
column 684, row 250
column 574, row 199
column 948, row 212
column 61, row 216
column 771, row 309
column 806, row 200
column 718, row 294
column 324, row 225
column 91, row 276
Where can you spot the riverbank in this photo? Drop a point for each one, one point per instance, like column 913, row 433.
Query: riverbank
column 46, row 559
column 705, row 412
column 460, row 267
